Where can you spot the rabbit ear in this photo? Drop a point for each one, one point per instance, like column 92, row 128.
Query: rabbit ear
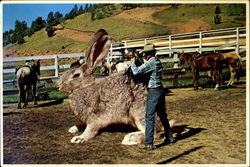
column 98, row 48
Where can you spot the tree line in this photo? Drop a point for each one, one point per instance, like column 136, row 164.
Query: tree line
column 21, row 28
column 97, row 11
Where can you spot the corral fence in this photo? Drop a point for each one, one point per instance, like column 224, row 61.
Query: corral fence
column 221, row 40
column 168, row 46
column 56, row 67
column 230, row 39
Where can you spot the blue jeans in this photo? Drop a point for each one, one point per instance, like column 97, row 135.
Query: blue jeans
column 155, row 103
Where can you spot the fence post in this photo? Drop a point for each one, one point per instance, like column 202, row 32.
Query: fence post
column 200, row 46
column 145, row 41
column 56, row 66
column 175, row 82
column 237, row 41
column 176, row 60
column 110, row 54
column 170, row 45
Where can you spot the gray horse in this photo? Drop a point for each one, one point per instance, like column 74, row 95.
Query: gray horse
column 26, row 78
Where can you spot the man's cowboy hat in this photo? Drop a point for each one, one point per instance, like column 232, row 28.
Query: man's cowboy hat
column 147, row 48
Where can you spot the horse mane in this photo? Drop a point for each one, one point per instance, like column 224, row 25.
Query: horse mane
column 35, row 66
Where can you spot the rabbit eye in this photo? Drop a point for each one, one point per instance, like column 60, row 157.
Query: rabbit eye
column 76, row 75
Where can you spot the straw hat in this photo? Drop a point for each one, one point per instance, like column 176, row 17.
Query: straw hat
column 147, row 48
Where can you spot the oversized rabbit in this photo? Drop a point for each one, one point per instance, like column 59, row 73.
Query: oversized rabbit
column 100, row 102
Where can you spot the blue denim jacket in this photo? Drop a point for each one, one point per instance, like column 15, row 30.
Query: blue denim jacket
column 153, row 67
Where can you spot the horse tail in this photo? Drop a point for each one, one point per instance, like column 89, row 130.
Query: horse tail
column 239, row 68
column 16, row 69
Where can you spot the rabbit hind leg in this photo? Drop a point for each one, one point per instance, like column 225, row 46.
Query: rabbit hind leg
column 133, row 138
column 138, row 136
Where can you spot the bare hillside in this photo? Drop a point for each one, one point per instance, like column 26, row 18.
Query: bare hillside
column 146, row 15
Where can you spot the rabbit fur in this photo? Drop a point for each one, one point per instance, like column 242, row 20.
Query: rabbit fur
column 100, row 102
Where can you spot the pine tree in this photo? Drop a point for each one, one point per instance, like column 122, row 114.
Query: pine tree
column 50, row 19
column 81, row 10
column 20, row 31
column 38, row 24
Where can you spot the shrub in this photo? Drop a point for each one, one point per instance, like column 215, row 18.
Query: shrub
column 217, row 19
column 50, row 31
column 236, row 9
column 217, row 10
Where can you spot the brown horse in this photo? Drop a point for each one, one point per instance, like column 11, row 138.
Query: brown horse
column 204, row 62
column 232, row 60
column 26, row 78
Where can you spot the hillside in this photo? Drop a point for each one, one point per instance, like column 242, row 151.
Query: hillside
column 128, row 24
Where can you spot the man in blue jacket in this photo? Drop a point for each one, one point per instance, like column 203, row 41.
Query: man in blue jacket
column 156, row 95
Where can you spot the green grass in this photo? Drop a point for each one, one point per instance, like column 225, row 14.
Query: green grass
column 42, row 95
column 118, row 28
column 10, row 99
column 41, row 42
column 205, row 12
column 9, row 76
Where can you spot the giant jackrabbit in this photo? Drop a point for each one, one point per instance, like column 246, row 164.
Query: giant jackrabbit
column 100, row 102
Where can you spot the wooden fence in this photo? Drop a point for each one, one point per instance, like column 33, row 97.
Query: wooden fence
column 56, row 67
column 230, row 39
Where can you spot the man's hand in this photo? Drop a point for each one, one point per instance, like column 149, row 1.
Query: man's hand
column 132, row 59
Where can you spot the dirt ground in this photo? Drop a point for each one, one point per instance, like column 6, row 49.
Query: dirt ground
column 146, row 15
column 210, row 129
column 77, row 35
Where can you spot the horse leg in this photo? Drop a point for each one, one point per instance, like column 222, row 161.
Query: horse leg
column 196, row 79
column 218, row 79
column 211, row 78
column 209, row 74
column 232, row 72
column 21, row 98
column 20, row 94
column 25, row 96
column 239, row 69
column 221, row 77
column 34, row 94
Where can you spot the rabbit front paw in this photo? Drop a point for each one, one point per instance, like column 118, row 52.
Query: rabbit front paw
column 77, row 139
column 73, row 129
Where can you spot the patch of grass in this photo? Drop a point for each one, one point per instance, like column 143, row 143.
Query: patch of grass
column 41, row 42
column 55, row 94
column 10, row 99
column 205, row 12
column 119, row 29
column 9, row 76
column 50, row 94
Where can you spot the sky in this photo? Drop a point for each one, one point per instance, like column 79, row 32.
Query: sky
column 29, row 12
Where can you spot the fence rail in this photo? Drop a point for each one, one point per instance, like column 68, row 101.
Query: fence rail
column 230, row 39
column 213, row 40
column 56, row 67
